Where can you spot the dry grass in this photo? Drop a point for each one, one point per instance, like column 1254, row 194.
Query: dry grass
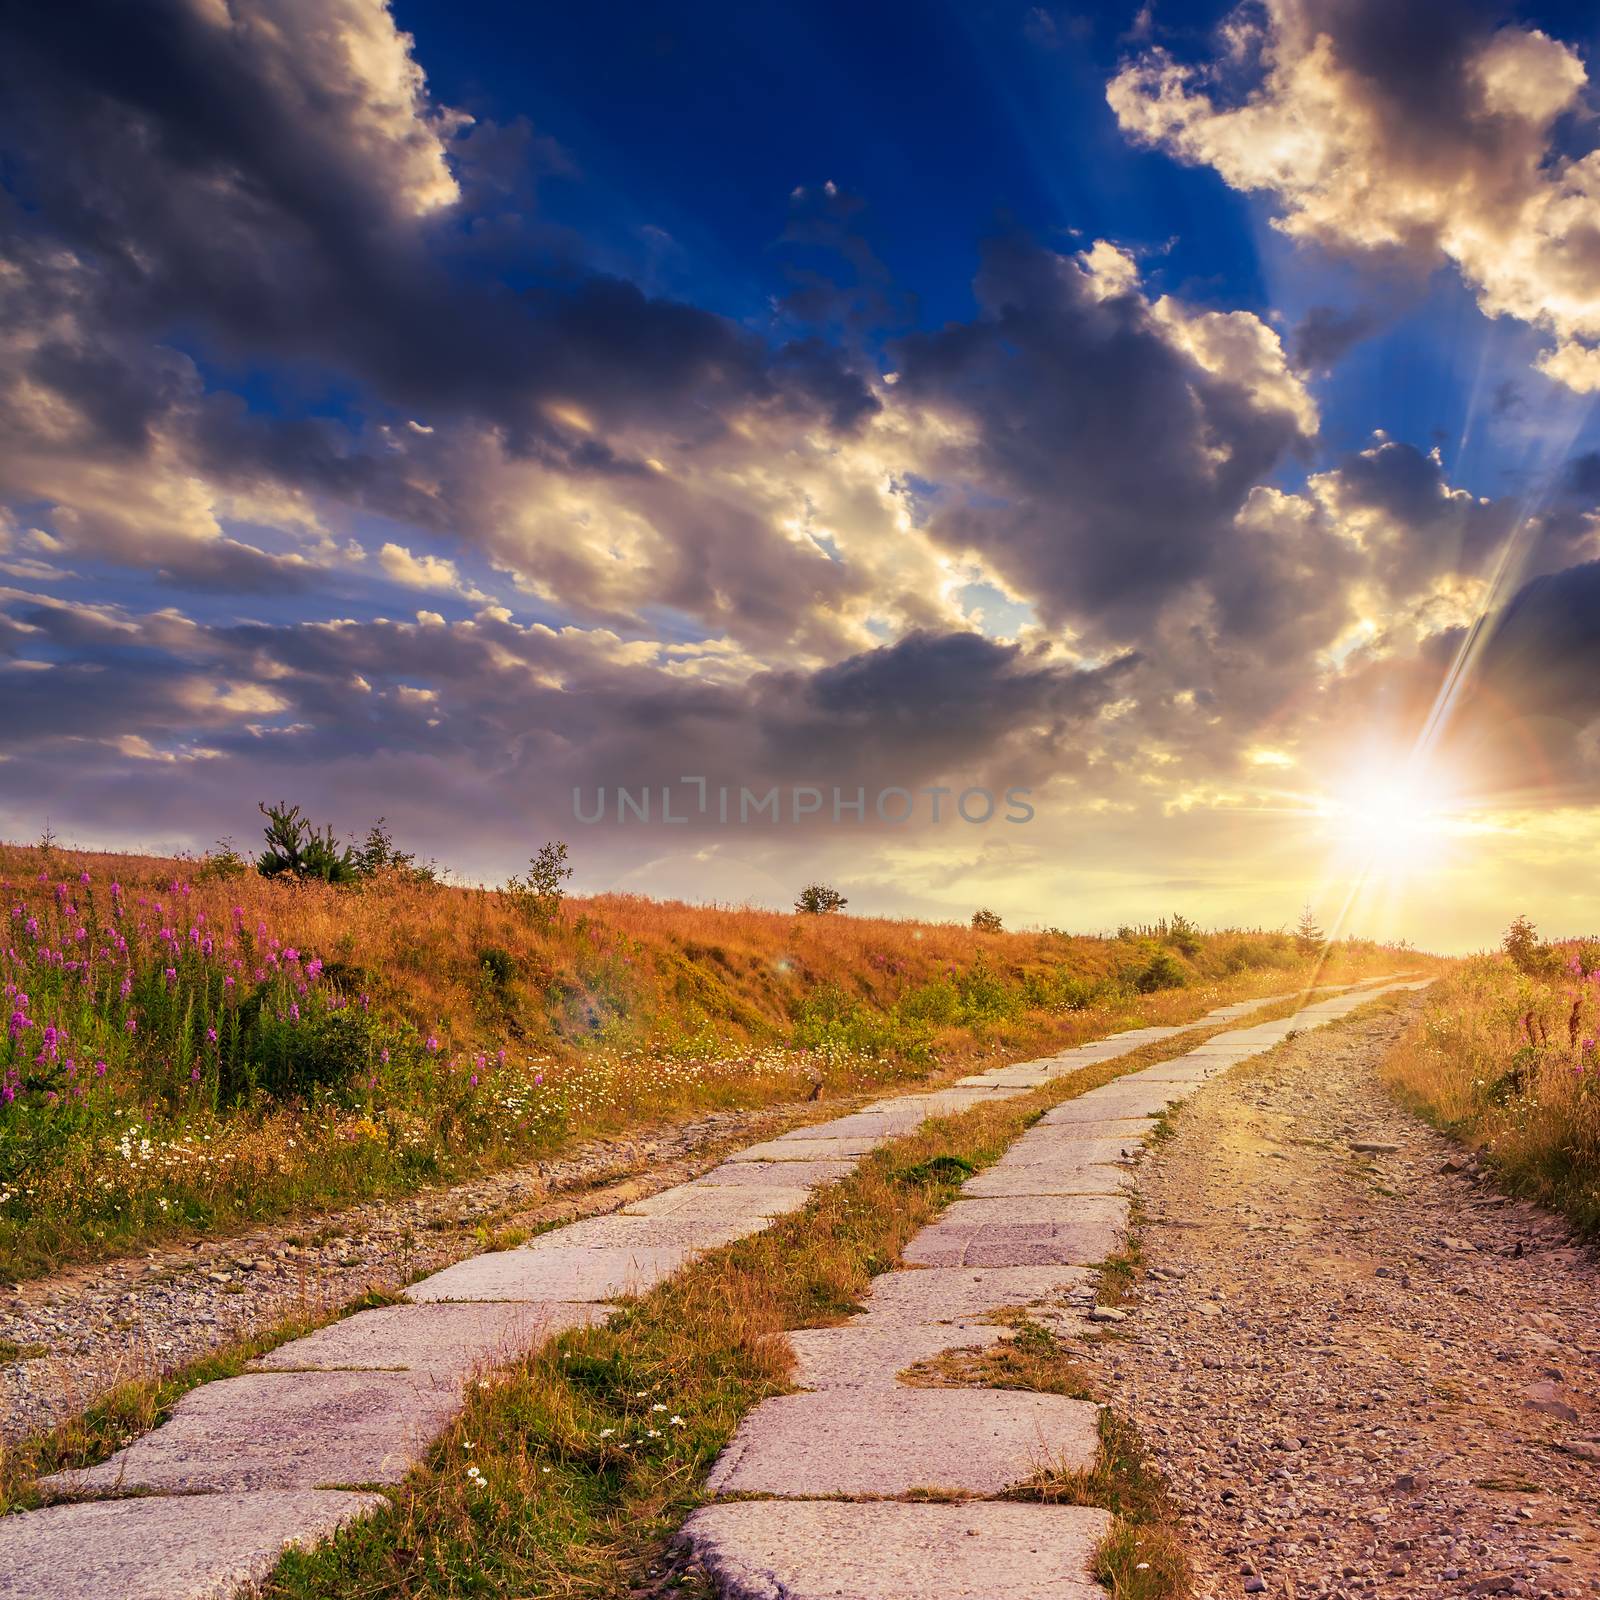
column 486, row 1037
column 1506, row 1062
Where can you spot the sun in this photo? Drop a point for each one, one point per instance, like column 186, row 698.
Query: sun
column 1393, row 821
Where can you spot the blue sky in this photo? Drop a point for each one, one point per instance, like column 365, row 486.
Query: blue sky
column 433, row 409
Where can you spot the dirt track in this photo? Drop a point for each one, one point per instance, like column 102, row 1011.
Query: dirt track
column 1361, row 1373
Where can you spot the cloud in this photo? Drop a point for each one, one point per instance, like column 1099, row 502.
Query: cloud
column 1421, row 131
column 425, row 572
column 1096, row 445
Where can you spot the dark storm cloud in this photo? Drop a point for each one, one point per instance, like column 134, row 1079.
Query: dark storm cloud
column 225, row 179
column 522, row 715
column 1107, row 464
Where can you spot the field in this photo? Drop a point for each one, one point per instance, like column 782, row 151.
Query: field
column 190, row 1046
column 1504, row 1056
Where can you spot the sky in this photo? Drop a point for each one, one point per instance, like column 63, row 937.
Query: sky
column 1090, row 462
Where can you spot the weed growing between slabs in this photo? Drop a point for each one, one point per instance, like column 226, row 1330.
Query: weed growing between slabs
column 569, row 1472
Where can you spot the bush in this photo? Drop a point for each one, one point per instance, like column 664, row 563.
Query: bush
column 1183, row 935
column 379, row 853
column 320, row 1053
column 818, row 899
column 986, row 921
column 1162, row 971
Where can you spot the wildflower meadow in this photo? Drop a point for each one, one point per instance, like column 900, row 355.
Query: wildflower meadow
column 189, row 1048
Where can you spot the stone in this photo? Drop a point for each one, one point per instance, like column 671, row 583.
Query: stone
column 965, row 1294
column 890, row 1442
column 1107, row 1314
column 808, row 1174
column 1373, row 1147
column 862, row 1355
column 791, row 1147
column 443, row 1337
column 280, row 1430
column 189, row 1547
column 1546, row 1397
column 738, row 1203
column 551, row 1274
column 814, row 1550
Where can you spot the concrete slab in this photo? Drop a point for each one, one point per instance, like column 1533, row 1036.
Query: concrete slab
column 551, row 1274
column 964, row 1294
column 1115, row 1101
column 887, row 1123
column 861, row 1355
column 191, row 1547
column 1070, row 1175
column 792, row 1147
column 1049, row 1147
column 732, row 1203
column 1129, row 1131
column 1031, row 1210
column 619, row 1231
column 444, row 1338
column 1012, row 1078
column 280, row 1430
column 1087, row 1238
column 808, row 1174
column 889, row 1442
column 817, row 1550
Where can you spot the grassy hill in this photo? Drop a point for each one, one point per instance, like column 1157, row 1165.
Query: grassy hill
column 192, row 1046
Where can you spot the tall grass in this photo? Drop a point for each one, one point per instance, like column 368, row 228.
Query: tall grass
column 189, row 1047
column 1506, row 1061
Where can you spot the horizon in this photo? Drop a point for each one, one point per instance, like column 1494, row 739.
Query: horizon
column 416, row 413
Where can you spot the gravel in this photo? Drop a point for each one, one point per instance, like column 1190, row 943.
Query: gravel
column 1362, row 1371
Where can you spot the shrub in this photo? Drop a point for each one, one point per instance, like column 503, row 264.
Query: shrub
column 819, row 899
column 222, row 864
column 1183, row 935
column 986, row 921
column 379, row 853
column 295, row 849
column 1162, row 971
column 537, row 897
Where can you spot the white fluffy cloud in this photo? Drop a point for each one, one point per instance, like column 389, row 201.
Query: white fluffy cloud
column 1459, row 162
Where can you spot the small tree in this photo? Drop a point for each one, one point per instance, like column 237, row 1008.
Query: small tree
column 379, row 853
column 819, row 898
column 1521, row 944
column 986, row 921
column 295, row 849
column 538, row 896
column 1308, row 937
